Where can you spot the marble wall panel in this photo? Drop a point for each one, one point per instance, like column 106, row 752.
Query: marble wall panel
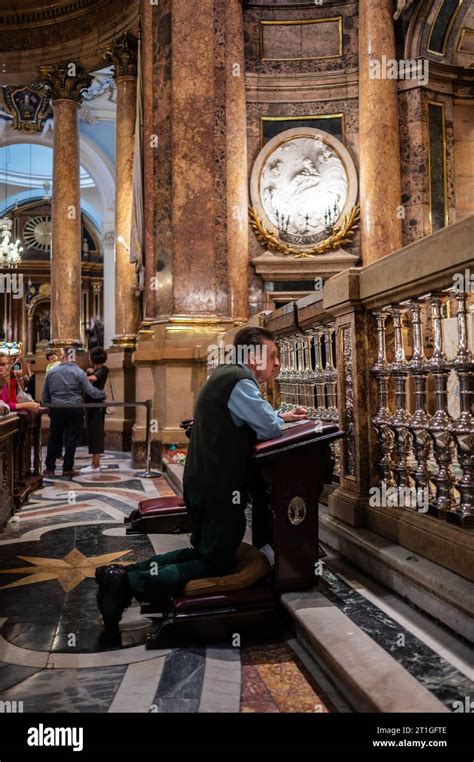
column 300, row 41
column 463, row 126
column 292, row 40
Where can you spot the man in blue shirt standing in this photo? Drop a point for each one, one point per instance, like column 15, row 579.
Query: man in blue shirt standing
column 230, row 416
column 66, row 384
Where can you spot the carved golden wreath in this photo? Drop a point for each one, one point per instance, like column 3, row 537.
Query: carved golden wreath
column 343, row 234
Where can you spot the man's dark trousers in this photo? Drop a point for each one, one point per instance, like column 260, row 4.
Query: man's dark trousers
column 66, row 424
column 166, row 575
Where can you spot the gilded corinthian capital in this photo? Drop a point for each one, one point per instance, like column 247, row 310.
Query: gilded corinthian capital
column 123, row 55
column 66, row 81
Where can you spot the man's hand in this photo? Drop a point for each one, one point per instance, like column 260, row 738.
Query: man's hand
column 296, row 414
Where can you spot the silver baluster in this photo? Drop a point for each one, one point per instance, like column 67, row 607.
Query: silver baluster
column 420, row 419
column 320, row 383
column 439, row 426
column 309, row 376
column 283, row 374
column 381, row 422
column 463, row 428
column 330, row 375
column 400, row 419
column 300, row 371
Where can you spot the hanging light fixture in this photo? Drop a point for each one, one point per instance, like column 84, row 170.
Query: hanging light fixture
column 10, row 251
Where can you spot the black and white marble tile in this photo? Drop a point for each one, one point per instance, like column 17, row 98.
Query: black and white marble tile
column 436, row 674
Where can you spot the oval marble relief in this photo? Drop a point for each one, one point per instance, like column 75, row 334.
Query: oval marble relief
column 303, row 181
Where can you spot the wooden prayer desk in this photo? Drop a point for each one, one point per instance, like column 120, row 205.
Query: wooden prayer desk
column 290, row 472
column 293, row 469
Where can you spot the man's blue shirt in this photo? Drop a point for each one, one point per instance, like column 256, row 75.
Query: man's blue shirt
column 247, row 405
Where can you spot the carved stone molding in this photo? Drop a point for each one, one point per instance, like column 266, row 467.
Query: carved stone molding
column 123, row 56
column 46, row 13
column 348, row 392
column 66, row 81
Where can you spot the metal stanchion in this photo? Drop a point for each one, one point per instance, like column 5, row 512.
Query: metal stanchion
column 148, row 473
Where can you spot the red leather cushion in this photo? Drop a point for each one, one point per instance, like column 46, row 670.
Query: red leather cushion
column 251, row 595
column 156, row 505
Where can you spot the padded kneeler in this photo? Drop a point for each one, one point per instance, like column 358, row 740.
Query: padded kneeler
column 159, row 515
column 215, row 609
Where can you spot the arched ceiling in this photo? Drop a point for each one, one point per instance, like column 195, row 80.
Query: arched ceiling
column 54, row 31
column 441, row 31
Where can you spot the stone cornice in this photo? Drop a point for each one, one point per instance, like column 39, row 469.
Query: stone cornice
column 52, row 14
column 304, row 87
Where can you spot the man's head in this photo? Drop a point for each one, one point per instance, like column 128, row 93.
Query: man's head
column 255, row 347
column 51, row 355
column 68, row 354
column 98, row 356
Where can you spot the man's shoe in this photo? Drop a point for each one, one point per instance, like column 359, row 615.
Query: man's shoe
column 114, row 596
column 48, row 473
column 70, row 473
column 100, row 573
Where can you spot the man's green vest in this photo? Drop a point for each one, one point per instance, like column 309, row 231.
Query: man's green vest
column 218, row 470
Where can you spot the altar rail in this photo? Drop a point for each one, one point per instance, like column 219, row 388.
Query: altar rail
column 401, row 332
column 27, row 472
column 390, row 390
column 9, row 429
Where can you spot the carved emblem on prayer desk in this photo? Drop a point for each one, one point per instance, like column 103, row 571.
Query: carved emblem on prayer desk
column 297, row 511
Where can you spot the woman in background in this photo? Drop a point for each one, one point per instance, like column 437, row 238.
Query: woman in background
column 97, row 375
column 11, row 388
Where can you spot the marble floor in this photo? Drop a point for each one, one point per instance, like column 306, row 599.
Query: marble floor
column 51, row 654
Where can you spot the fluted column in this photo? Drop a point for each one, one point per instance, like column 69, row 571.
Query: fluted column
column 66, row 83
column 380, row 183
column 123, row 56
column 236, row 162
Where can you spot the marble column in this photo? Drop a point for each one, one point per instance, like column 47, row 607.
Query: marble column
column 123, row 56
column 380, row 182
column 108, row 243
column 236, row 162
column 66, row 83
column 149, row 150
column 193, row 200
column 30, row 337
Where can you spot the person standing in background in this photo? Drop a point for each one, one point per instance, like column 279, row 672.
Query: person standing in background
column 66, row 385
column 52, row 358
column 95, row 416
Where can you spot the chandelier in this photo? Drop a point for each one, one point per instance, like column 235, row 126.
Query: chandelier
column 10, row 251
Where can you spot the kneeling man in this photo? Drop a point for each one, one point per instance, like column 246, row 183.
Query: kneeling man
column 230, row 416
